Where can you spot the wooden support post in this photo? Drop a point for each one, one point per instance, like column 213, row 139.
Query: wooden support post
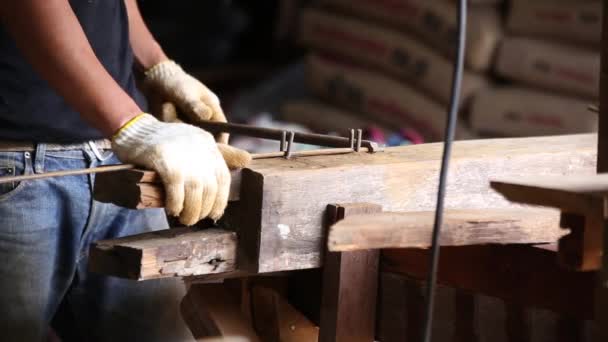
column 601, row 288
column 350, row 285
column 601, row 292
column 211, row 311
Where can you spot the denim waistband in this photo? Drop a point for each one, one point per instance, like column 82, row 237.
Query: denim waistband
column 91, row 150
column 17, row 146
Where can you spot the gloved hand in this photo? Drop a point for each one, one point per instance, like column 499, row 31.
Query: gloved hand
column 234, row 157
column 186, row 93
column 195, row 176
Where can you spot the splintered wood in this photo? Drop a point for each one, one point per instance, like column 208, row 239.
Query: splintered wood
column 280, row 215
column 460, row 227
column 581, row 200
column 177, row 252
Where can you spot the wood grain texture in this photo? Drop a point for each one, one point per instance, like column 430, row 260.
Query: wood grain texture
column 520, row 274
column 296, row 192
column 350, row 284
column 211, row 312
column 177, row 252
column 569, row 193
column 581, row 199
column 280, row 217
column 460, row 227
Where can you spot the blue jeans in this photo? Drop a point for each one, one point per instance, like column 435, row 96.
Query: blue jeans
column 46, row 227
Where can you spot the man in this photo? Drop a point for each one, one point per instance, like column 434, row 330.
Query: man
column 66, row 83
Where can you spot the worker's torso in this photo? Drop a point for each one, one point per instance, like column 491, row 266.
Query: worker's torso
column 31, row 110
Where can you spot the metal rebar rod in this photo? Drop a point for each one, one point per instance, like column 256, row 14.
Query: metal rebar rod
column 277, row 134
column 121, row 167
column 100, row 169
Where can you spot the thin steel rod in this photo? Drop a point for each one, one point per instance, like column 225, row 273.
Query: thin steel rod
column 121, row 167
column 76, row 172
column 277, row 134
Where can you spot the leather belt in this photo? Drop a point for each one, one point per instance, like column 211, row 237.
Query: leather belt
column 23, row 146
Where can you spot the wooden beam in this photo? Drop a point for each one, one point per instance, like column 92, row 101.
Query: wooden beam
column 524, row 275
column 178, row 252
column 350, row 284
column 211, row 312
column 279, row 217
column 460, row 227
column 581, row 200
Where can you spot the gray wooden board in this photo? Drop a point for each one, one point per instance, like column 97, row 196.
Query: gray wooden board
column 288, row 232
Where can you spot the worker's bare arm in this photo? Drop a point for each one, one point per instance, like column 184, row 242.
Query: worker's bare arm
column 52, row 40
column 147, row 51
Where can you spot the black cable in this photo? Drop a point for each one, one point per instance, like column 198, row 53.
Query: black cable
column 450, row 129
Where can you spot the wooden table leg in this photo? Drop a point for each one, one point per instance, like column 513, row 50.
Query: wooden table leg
column 350, row 284
column 601, row 290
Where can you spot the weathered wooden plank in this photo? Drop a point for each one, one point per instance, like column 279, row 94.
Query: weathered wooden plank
column 350, row 284
column 520, row 274
column 460, row 227
column 570, row 193
column 280, row 215
column 294, row 193
column 581, row 199
column 211, row 312
column 177, row 252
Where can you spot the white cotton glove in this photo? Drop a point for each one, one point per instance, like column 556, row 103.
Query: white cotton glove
column 234, row 157
column 186, row 93
column 196, row 178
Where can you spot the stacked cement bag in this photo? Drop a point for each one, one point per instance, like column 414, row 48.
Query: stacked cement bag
column 391, row 61
column 551, row 59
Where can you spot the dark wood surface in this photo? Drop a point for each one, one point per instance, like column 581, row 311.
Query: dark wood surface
column 601, row 304
column 524, row 275
column 178, row 252
column 210, row 311
column 350, row 283
column 581, row 200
